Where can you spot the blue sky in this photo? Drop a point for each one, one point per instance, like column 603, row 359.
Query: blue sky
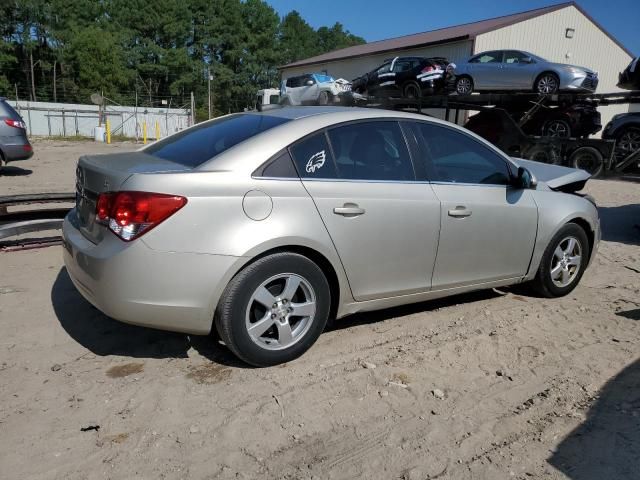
column 380, row 19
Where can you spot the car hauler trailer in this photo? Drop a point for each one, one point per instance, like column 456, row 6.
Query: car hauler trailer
column 591, row 154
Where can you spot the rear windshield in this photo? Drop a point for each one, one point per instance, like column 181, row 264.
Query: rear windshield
column 7, row 110
column 196, row 145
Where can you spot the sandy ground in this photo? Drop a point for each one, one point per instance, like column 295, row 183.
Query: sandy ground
column 497, row 384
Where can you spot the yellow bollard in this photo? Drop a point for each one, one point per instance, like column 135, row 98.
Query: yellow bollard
column 108, row 128
column 157, row 130
column 144, row 132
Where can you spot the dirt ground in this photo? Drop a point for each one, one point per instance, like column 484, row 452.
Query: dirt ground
column 492, row 385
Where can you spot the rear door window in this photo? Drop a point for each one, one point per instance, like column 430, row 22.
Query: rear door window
column 371, row 151
column 488, row 57
column 203, row 142
column 313, row 157
column 7, row 110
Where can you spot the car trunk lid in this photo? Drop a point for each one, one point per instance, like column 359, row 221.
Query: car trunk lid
column 97, row 174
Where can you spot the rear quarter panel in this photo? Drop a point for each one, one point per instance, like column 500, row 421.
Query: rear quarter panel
column 215, row 220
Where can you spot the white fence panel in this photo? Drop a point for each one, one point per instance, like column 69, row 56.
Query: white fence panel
column 67, row 119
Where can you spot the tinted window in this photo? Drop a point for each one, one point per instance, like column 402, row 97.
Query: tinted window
column 487, row 57
column 274, row 99
column 383, row 69
column 294, row 82
column 8, row 111
column 196, row 145
column 403, row 65
column 323, row 78
column 279, row 167
column 313, row 157
column 452, row 156
column 371, row 151
column 512, row 56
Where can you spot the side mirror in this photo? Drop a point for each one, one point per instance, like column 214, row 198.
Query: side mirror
column 526, row 179
column 527, row 60
column 309, row 82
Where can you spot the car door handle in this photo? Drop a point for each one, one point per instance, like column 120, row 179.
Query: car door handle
column 460, row 212
column 349, row 210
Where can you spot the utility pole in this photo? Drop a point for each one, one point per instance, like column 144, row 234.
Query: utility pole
column 193, row 110
column 210, row 77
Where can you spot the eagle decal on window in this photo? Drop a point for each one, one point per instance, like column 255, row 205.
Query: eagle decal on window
column 316, row 162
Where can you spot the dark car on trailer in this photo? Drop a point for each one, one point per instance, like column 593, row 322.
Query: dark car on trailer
column 14, row 143
column 408, row 77
column 629, row 78
column 564, row 121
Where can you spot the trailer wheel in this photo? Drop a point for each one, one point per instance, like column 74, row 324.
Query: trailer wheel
column 589, row 159
column 542, row 154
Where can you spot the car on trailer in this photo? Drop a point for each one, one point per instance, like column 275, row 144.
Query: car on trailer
column 629, row 78
column 565, row 121
column 499, row 127
column 14, row 142
column 624, row 128
column 408, row 77
column 499, row 70
column 313, row 89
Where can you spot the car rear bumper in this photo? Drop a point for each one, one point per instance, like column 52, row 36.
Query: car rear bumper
column 135, row 284
column 15, row 148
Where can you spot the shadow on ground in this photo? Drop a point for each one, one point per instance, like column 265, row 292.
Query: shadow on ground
column 621, row 224
column 14, row 172
column 105, row 336
column 607, row 444
column 366, row 318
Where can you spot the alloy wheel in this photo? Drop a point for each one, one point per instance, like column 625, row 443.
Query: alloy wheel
column 557, row 128
column 566, row 262
column 280, row 311
column 463, row 86
column 628, row 143
column 547, row 84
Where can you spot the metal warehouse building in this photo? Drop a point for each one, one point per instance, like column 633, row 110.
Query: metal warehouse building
column 562, row 33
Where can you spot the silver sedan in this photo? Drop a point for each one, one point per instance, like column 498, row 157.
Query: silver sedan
column 266, row 225
column 518, row 70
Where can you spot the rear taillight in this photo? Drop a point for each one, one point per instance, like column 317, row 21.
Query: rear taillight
column 15, row 123
column 131, row 214
column 427, row 69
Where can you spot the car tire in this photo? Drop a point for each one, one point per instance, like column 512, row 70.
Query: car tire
column 547, row 83
column 542, row 154
column 323, row 98
column 557, row 275
column 589, row 159
column 627, row 142
column 464, row 85
column 412, row 91
column 264, row 335
column 556, row 128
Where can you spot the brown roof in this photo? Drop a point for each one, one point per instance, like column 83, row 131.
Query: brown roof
column 443, row 35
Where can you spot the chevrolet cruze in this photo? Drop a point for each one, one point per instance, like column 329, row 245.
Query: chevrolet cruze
column 265, row 225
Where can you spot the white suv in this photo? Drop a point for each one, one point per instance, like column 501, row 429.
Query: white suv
column 313, row 89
